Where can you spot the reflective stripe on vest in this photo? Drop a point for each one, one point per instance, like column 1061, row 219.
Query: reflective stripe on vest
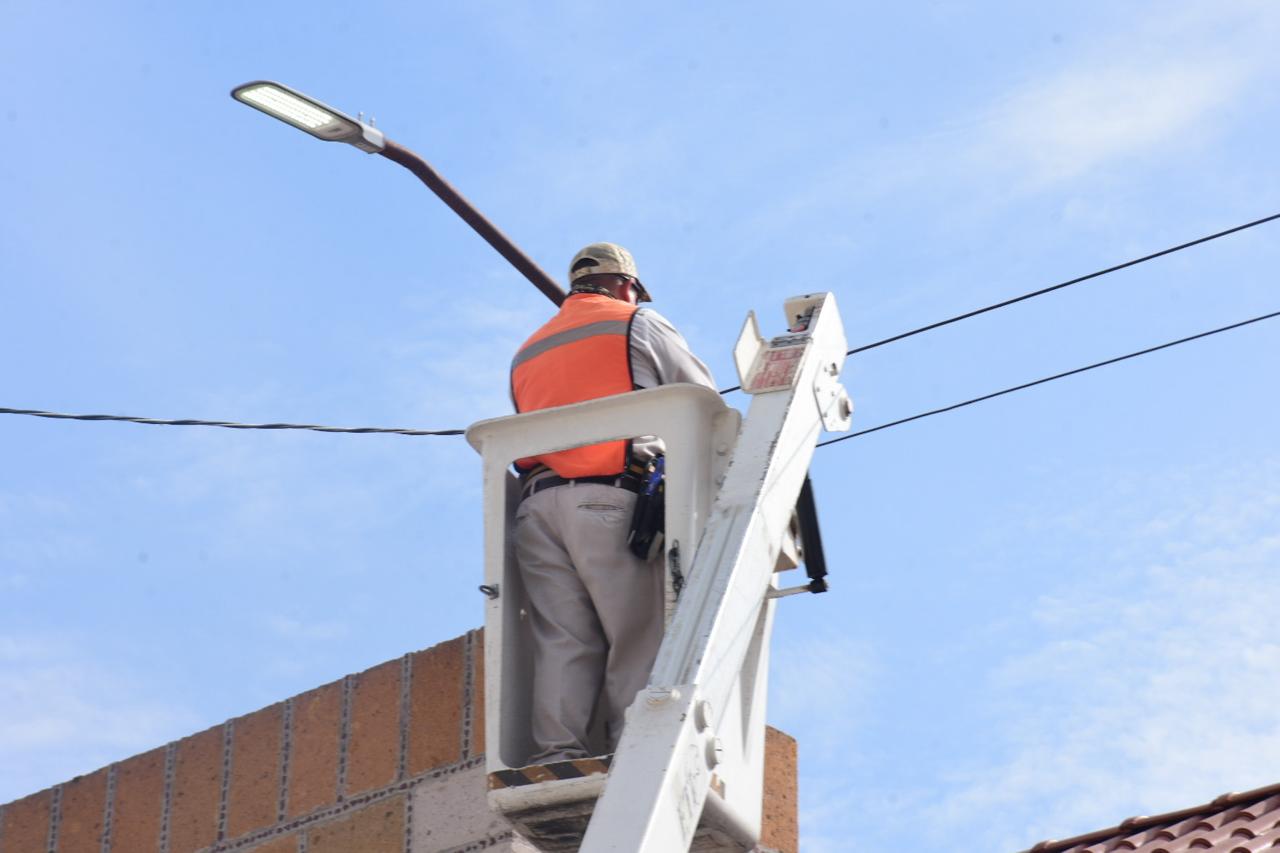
column 583, row 353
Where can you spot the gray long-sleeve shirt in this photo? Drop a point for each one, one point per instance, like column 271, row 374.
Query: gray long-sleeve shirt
column 660, row 356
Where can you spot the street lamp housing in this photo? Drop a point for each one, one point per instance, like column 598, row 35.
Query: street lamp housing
column 307, row 114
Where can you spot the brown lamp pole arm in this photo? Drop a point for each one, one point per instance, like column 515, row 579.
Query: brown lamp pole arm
column 482, row 226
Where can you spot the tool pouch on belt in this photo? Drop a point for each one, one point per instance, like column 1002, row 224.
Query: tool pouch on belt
column 648, row 520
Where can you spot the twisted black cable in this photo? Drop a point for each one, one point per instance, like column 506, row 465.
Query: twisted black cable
column 953, row 407
column 228, row 424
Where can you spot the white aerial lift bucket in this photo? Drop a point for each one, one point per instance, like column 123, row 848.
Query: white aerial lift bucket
column 700, row 432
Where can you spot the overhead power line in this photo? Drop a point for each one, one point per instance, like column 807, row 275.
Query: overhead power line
column 1056, row 376
column 1059, row 286
column 953, row 407
column 229, row 424
column 863, row 348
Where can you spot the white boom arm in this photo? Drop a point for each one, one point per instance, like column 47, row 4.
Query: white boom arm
column 662, row 768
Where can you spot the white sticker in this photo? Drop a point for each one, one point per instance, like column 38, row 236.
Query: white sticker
column 776, row 369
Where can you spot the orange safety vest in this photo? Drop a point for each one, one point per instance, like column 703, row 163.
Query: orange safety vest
column 583, row 353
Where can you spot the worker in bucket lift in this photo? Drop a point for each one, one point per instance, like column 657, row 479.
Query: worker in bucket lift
column 596, row 609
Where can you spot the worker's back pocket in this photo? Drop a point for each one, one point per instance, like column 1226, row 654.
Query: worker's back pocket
column 595, row 507
column 605, row 514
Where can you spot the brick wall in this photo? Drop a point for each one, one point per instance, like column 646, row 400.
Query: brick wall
column 355, row 765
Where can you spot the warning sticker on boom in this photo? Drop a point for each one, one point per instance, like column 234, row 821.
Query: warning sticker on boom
column 776, row 368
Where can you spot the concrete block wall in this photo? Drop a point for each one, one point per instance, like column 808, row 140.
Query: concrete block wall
column 389, row 760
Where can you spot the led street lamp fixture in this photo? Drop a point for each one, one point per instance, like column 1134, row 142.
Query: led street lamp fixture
column 318, row 119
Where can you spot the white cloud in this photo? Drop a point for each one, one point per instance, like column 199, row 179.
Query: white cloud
column 295, row 629
column 1184, row 78
column 821, row 681
column 271, row 492
column 821, row 684
column 55, row 537
column 1146, row 696
column 62, row 714
column 453, row 370
column 1085, row 118
column 1177, row 76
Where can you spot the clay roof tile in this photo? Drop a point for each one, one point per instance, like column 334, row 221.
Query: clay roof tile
column 1246, row 822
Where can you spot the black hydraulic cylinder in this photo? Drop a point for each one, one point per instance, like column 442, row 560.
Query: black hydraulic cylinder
column 815, row 561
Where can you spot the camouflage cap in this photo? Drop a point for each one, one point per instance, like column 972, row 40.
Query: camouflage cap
column 605, row 259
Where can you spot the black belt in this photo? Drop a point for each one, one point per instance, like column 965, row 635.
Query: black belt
column 621, row 481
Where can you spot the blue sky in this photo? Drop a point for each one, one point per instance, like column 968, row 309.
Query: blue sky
column 1050, row 611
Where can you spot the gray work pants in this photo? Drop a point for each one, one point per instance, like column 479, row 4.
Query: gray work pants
column 596, row 613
